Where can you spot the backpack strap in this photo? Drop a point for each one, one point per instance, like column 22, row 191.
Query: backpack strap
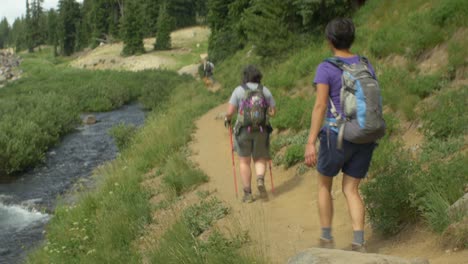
column 335, row 61
column 246, row 88
column 364, row 60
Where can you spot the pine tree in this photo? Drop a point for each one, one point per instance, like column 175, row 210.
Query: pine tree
column 4, row 33
column 265, row 28
column 69, row 16
column 36, row 24
column 163, row 35
column 184, row 12
column 17, row 35
column 28, row 31
column 99, row 21
column 52, row 30
column 132, row 33
column 151, row 13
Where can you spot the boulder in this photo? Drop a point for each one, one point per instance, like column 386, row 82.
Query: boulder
column 90, row 120
column 334, row 256
column 460, row 206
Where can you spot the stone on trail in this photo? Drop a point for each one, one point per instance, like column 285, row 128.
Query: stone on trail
column 460, row 206
column 334, row 256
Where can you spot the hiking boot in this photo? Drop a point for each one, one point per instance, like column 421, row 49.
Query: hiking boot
column 326, row 243
column 261, row 187
column 248, row 198
column 359, row 247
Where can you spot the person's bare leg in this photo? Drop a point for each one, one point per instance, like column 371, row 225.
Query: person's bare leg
column 356, row 207
column 325, row 204
column 245, row 172
column 260, row 167
column 260, row 170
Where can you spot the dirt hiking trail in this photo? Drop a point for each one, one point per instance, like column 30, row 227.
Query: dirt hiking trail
column 287, row 222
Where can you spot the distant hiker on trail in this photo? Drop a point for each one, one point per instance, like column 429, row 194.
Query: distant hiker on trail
column 208, row 68
column 349, row 94
column 255, row 104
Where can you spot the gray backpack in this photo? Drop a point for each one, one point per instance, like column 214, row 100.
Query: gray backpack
column 361, row 103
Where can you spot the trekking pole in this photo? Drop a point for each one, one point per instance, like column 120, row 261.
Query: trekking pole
column 233, row 162
column 271, row 177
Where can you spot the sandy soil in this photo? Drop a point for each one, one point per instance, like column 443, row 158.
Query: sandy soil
column 107, row 57
column 288, row 221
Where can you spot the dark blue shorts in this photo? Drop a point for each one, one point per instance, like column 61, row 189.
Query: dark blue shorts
column 354, row 159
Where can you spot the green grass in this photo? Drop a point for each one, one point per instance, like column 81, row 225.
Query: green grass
column 447, row 117
column 45, row 104
column 180, row 174
column 103, row 225
column 181, row 243
column 123, row 135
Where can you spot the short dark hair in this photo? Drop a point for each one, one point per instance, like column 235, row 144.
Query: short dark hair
column 340, row 32
column 251, row 74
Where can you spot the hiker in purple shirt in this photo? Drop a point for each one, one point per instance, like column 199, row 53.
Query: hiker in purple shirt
column 353, row 159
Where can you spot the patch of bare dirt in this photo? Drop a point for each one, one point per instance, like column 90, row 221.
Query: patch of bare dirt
column 190, row 70
column 396, row 61
column 433, row 60
column 108, row 56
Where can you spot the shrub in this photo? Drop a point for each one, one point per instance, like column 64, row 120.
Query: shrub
column 447, row 116
column 449, row 12
column 423, row 86
column 123, row 135
column 388, row 192
column 293, row 113
column 201, row 216
column 180, row 244
column 294, row 154
column 440, row 186
column 180, row 175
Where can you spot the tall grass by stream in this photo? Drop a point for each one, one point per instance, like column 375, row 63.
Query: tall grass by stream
column 46, row 103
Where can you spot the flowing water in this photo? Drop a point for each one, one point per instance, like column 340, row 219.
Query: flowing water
column 27, row 201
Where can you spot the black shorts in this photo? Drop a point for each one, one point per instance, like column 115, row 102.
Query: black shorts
column 354, row 159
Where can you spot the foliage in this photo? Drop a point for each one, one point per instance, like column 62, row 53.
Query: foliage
column 104, row 224
column 447, row 116
column 123, row 135
column 180, row 174
column 265, row 29
column 294, row 154
column 201, row 216
column 132, row 33
column 438, row 187
column 293, row 113
column 29, row 106
column 163, row 36
column 387, row 194
column 180, row 244
column 4, row 33
column 412, row 30
column 69, row 15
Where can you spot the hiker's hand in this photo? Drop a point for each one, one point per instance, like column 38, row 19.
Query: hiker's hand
column 227, row 122
column 310, row 155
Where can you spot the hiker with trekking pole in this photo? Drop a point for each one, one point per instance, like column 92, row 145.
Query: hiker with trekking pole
column 254, row 104
column 349, row 103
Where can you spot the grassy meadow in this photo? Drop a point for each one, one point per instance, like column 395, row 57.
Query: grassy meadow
column 404, row 185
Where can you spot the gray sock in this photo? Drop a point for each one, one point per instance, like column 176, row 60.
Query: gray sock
column 358, row 237
column 326, row 233
column 247, row 190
